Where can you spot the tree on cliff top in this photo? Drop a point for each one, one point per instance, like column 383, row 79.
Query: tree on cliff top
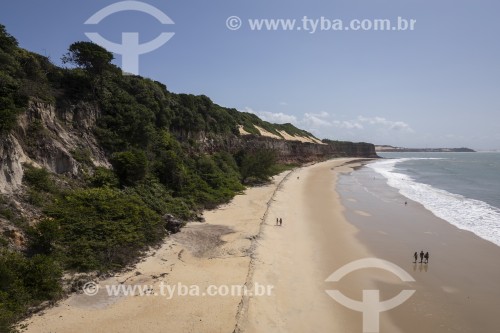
column 88, row 56
column 7, row 41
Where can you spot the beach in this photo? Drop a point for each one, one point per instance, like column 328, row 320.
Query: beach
column 324, row 228
column 212, row 253
column 458, row 291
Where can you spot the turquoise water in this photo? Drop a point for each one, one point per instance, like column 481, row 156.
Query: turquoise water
column 461, row 188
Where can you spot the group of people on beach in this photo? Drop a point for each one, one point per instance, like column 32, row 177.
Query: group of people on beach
column 279, row 221
column 422, row 257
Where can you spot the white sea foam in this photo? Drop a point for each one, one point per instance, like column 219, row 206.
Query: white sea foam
column 468, row 214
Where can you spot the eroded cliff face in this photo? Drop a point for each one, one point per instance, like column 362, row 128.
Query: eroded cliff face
column 53, row 138
column 298, row 152
column 288, row 151
column 49, row 137
column 61, row 139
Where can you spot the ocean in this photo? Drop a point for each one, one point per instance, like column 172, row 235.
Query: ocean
column 461, row 188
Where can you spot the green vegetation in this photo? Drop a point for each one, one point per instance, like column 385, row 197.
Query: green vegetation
column 103, row 220
column 25, row 282
column 130, row 166
column 9, row 212
column 38, row 179
column 292, row 130
column 98, row 229
column 250, row 120
column 256, row 166
column 10, row 102
column 280, row 167
column 88, row 56
column 82, row 155
column 23, row 75
column 6, row 211
column 103, row 177
column 41, row 186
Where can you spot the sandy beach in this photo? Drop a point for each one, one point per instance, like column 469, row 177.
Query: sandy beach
column 298, row 257
column 240, row 244
column 458, row 291
column 213, row 253
column 223, row 251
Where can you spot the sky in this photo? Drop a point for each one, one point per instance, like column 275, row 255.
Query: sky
column 437, row 85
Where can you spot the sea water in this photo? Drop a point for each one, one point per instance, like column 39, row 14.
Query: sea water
column 461, row 188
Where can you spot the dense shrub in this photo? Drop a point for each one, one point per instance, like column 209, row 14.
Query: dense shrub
column 256, row 165
column 103, row 228
column 43, row 237
column 130, row 166
column 25, row 282
column 38, row 178
column 103, row 177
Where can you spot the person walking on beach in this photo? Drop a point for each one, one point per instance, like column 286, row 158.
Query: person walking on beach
column 281, row 221
column 277, row 221
column 426, row 256
column 415, row 255
column 421, row 256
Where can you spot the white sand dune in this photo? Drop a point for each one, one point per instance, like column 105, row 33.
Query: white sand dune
column 284, row 135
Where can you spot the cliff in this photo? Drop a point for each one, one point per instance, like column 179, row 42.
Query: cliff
column 62, row 140
column 51, row 138
column 304, row 152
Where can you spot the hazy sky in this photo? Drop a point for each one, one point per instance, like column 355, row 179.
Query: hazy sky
column 436, row 86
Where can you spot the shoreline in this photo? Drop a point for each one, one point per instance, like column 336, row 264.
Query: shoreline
column 458, row 290
column 329, row 220
column 314, row 241
column 221, row 251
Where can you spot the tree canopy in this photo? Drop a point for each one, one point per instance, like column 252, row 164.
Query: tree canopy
column 7, row 41
column 89, row 56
